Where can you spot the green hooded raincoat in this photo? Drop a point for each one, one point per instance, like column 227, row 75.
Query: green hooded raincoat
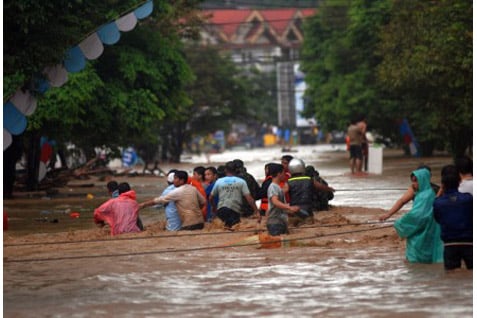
column 422, row 233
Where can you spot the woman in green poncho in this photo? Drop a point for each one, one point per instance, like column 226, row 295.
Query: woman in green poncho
column 422, row 233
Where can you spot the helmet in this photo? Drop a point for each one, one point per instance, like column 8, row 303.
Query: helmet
column 296, row 166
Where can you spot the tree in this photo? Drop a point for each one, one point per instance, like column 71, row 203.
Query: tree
column 221, row 94
column 118, row 99
column 427, row 59
column 339, row 62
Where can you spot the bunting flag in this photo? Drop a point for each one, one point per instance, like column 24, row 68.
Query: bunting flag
column 23, row 102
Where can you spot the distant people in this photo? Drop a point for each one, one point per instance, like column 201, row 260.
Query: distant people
column 407, row 197
column 121, row 213
column 188, row 200
column 301, row 189
column 465, row 168
column 231, row 190
column 210, row 179
column 278, row 210
column 173, row 220
column 453, row 211
column 253, row 186
column 418, row 227
column 112, row 187
column 355, row 134
column 363, row 125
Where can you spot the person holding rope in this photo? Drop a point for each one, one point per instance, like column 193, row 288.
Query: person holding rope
column 278, row 210
column 231, row 191
column 188, row 200
column 120, row 213
column 407, row 196
column 418, row 227
column 173, row 220
column 301, row 190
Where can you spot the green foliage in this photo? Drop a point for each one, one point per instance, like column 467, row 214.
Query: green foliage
column 390, row 60
column 427, row 59
column 221, row 93
column 339, row 60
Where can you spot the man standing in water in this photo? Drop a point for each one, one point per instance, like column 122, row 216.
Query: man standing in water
column 189, row 202
column 231, row 191
column 356, row 136
column 453, row 211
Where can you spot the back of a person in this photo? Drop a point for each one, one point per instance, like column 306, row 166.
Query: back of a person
column 458, row 225
column 188, row 206
column 231, row 191
column 275, row 215
column 124, row 216
column 301, row 192
column 355, row 134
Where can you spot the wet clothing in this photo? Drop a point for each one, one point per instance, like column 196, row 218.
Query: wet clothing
column 320, row 198
column 418, row 226
column 453, row 211
column 231, row 191
column 198, row 185
column 355, row 134
column 172, row 215
column 277, row 220
column 188, row 202
column 228, row 216
column 254, row 189
column 120, row 213
column 301, row 190
column 210, row 212
column 263, row 195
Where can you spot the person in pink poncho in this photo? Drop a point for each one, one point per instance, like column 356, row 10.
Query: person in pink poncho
column 120, row 213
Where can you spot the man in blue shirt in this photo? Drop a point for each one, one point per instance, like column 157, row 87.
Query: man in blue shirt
column 453, row 211
column 172, row 216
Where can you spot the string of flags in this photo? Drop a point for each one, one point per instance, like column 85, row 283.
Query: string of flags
column 24, row 103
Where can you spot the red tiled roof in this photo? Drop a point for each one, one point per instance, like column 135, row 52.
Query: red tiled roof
column 227, row 20
column 278, row 19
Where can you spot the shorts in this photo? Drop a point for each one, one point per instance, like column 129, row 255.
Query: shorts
column 276, row 229
column 454, row 254
column 228, row 216
column 355, row 151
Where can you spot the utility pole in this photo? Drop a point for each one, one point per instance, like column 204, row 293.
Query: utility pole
column 285, row 91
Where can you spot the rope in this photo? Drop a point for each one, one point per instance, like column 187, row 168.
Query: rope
column 372, row 189
column 183, row 235
column 179, row 250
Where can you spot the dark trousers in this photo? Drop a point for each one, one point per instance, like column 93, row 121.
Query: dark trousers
column 198, row 226
column 228, row 216
column 454, row 254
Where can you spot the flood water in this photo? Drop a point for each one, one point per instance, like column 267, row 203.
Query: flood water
column 286, row 282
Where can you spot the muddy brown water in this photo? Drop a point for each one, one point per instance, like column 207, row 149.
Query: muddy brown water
column 315, row 281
